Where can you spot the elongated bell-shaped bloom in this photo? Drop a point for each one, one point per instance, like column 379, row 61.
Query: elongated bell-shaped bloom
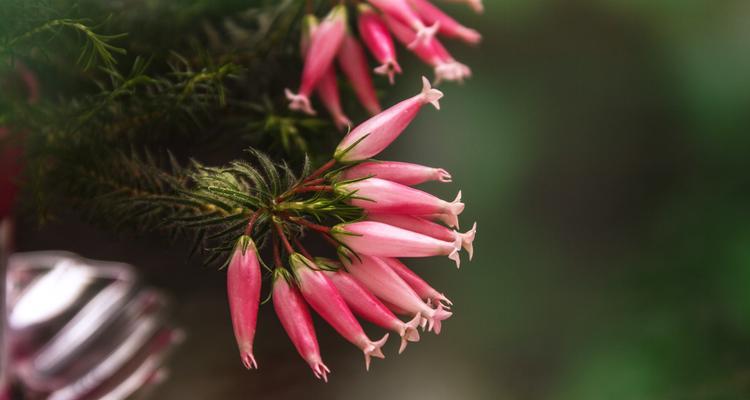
column 448, row 26
column 375, row 35
column 321, row 294
column 295, row 318
column 433, row 54
column 400, row 172
column 367, row 306
column 243, row 288
column 375, row 274
column 353, row 63
column 402, row 11
column 382, row 240
column 429, row 228
column 324, row 44
column 328, row 87
column 379, row 196
column 374, row 135
column 420, row 286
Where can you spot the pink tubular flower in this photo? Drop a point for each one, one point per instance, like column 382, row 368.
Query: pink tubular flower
column 353, row 62
column 382, row 240
column 400, row 172
column 379, row 196
column 449, row 27
column 422, row 288
column 328, row 87
column 374, row 135
column 295, row 318
column 243, row 288
column 322, row 296
column 403, row 12
column 375, row 274
column 374, row 33
column 367, row 306
column 433, row 54
column 429, row 228
column 324, row 44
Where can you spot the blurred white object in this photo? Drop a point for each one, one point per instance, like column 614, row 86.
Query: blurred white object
column 82, row 329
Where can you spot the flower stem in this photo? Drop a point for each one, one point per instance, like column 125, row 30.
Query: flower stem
column 302, row 249
column 251, row 223
column 280, row 231
column 320, row 171
column 308, row 224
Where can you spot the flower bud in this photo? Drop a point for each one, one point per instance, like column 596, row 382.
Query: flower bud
column 322, row 296
column 382, row 240
column 374, row 135
column 400, row 172
column 375, row 35
column 295, row 318
column 353, row 63
column 243, row 289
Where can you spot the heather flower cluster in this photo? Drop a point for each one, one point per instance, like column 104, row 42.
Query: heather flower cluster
column 369, row 281
column 413, row 23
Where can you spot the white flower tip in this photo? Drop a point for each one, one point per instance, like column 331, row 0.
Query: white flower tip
column 455, row 257
column 422, row 323
column 467, row 240
column 389, row 68
column 477, row 5
column 425, row 35
column 440, row 315
column 442, row 297
column 429, row 94
column 443, row 176
column 321, row 371
column 299, row 102
column 409, row 332
column 457, row 207
column 471, row 36
column 374, row 350
column 452, row 71
column 248, row 359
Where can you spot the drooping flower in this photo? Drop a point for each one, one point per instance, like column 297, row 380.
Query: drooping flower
column 375, row 35
column 374, row 135
column 379, row 196
column 367, row 306
column 420, row 286
column 322, row 296
column 353, row 63
column 403, row 12
column 243, row 289
column 400, row 172
column 375, row 274
column 433, row 54
column 328, row 87
column 448, row 26
column 295, row 318
column 429, row 228
column 383, row 240
column 324, row 44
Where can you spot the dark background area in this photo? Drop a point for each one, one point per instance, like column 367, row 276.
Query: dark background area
column 602, row 146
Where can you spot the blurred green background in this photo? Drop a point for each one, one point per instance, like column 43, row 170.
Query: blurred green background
column 602, row 147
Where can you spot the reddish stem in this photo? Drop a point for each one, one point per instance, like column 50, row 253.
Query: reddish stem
column 277, row 252
column 330, row 240
column 315, row 182
column 308, row 224
column 320, row 171
column 287, row 245
column 302, row 249
column 251, row 223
